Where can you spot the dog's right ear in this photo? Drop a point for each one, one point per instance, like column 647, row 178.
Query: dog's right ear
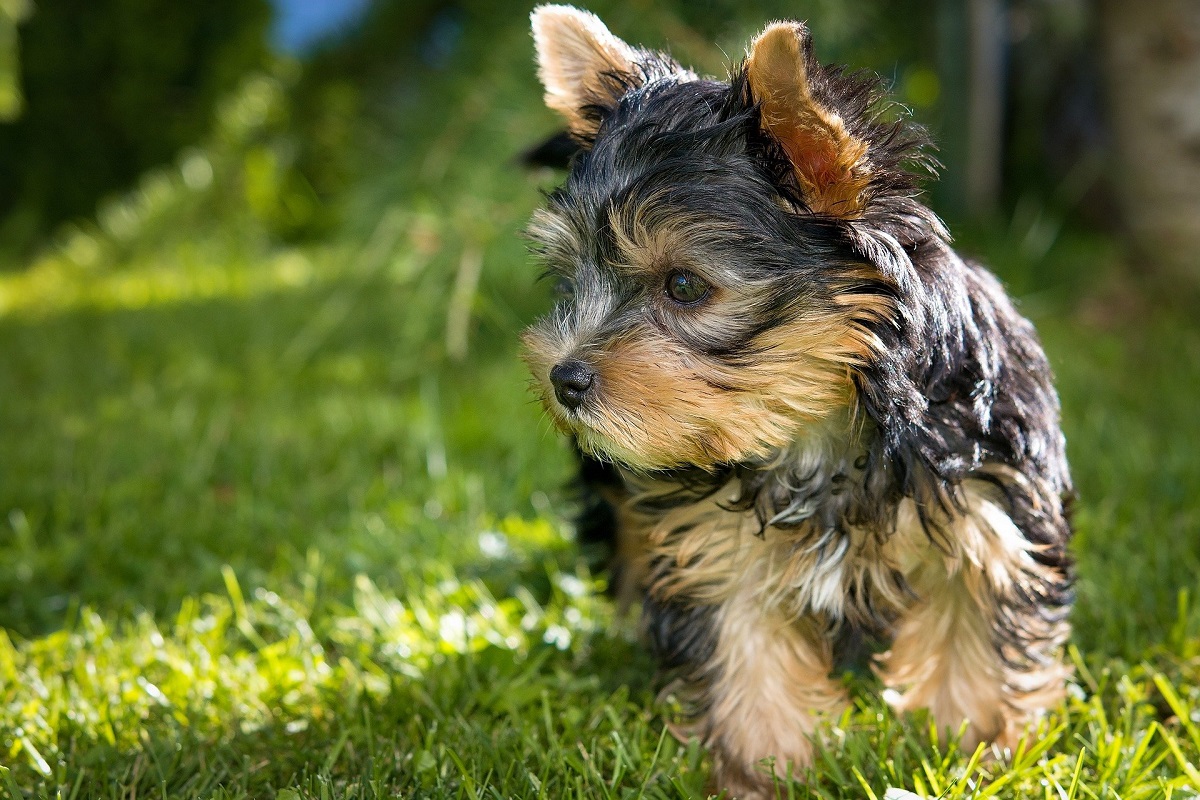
column 832, row 165
column 583, row 67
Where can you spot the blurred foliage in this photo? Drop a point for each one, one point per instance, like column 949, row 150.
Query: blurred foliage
column 1056, row 132
column 117, row 87
column 112, row 88
column 12, row 14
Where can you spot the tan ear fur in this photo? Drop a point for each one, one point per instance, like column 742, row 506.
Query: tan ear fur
column 577, row 55
column 830, row 164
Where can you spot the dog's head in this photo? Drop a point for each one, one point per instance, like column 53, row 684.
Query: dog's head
column 725, row 251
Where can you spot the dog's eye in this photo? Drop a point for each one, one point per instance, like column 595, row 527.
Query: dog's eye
column 687, row 288
column 564, row 289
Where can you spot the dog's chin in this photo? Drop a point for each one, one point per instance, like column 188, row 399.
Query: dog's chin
column 598, row 445
column 594, row 441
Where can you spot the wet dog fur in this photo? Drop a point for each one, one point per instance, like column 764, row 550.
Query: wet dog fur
column 798, row 409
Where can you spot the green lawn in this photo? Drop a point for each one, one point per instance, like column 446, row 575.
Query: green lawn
column 279, row 518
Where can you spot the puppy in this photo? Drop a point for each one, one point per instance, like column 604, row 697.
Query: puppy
column 802, row 410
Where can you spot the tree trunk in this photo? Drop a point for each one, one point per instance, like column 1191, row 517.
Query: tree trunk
column 985, row 110
column 1152, row 50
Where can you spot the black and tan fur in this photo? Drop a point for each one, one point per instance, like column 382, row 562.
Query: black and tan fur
column 852, row 427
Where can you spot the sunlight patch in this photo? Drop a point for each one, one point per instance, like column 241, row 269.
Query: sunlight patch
column 53, row 286
column 244, row 663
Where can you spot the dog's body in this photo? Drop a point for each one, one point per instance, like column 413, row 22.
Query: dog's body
column 801, row 409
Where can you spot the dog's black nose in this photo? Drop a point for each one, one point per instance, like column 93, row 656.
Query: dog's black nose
column 572, row 380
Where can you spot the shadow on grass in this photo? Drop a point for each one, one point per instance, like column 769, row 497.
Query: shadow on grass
column 147, row 447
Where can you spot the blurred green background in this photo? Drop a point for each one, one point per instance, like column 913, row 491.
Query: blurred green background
column 250, row 296
column 260, row 296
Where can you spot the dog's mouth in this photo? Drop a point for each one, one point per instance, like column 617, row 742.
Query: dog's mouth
column 585, row 423
column 588, row 425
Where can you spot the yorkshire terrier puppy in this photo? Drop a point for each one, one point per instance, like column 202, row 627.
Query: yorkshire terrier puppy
column 801, row 409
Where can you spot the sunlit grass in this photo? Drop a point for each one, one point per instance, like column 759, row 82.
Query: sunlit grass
column 453, row 691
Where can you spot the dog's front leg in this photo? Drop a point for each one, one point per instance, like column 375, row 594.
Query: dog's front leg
column 981, row 644
column 755, row 680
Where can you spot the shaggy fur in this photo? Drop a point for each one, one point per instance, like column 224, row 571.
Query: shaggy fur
column 797, row 407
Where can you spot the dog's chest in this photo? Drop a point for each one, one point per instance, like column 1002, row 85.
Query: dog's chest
column 705, row 552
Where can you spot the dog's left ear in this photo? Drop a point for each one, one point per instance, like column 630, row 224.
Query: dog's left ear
column 831, row 165
column 583, row 67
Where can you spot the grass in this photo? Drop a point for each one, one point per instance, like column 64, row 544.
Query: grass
column 278, row 518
